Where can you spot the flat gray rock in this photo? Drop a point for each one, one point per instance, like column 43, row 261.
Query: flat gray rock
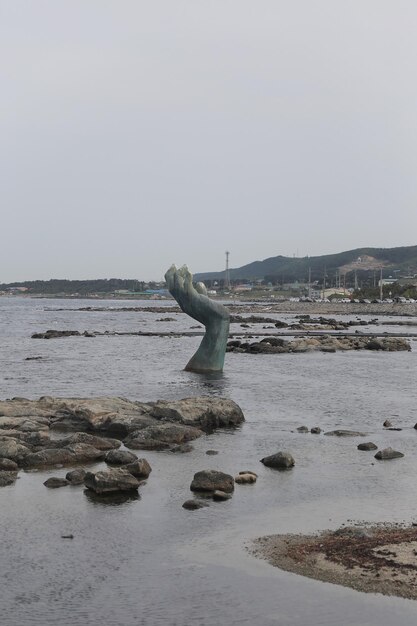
column 387, row 454
column 345, row 433
column 54, row 482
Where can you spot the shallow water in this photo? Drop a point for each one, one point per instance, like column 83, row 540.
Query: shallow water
column 147, row 560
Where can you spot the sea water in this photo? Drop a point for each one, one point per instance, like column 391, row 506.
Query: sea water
column 147, row 561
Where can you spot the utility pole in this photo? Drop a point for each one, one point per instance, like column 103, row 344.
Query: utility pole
column 309, row 282
column 227, row 274
column 380, row 286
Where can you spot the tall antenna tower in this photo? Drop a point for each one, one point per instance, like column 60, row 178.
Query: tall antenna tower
column 227, row 273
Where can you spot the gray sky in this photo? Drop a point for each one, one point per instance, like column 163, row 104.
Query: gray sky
column 137, row 134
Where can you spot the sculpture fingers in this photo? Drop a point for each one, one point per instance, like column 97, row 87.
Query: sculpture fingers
column 201, row 288
column 170, row 277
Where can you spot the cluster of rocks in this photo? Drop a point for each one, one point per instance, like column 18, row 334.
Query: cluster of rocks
column 306, row 322
column 115, row 479
column 217, row 486
column 98, row 426
column 382, row 455
column 326, row 343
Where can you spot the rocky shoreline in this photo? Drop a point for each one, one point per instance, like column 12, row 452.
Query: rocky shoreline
column 63, row 432
column 371, row 559
column 325, row 343
column 276, row 306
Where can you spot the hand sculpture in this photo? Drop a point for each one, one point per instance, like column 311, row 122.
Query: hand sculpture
column 215, row 317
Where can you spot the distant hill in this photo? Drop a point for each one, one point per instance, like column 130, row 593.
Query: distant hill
column 82, row 287
column 289, row 269
column 360, row 266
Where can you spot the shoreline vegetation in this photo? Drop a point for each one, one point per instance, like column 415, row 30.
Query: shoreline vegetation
column 378, row 558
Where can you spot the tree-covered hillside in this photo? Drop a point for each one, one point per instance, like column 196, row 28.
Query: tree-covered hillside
column 82, row 287
column 288, row 269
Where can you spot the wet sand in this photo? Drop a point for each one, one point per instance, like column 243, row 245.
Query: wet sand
column 373, row 559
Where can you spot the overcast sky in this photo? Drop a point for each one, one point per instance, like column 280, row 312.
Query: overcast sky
column 138, row 134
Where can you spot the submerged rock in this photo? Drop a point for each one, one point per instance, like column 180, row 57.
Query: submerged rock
column 193, row 505
column 367, row 446
column 221, row 496
column 182, row 449
column 345, row 433
column 54, row 482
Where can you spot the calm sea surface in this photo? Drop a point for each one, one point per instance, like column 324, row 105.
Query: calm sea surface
column 147, row 561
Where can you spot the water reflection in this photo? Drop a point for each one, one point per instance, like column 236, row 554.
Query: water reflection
column 214, row 383
column 111, row 499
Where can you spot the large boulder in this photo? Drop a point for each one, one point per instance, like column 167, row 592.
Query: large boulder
column 117, row 417
column 280, row 460
column 387, row 454
column 84, row 453
column 201, row 412
column 7, row 478
column 212, row 480
column 111, row 481
column 114, row 416
column 12, row 449
column 8, row 465
column 48, row 457
column 119, row 457
column 100, row 443
column 368, row 445
column 162, row 436
column 76, row 476
column 139, row 468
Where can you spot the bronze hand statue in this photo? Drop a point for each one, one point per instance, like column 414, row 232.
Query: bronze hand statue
column 215, row 317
